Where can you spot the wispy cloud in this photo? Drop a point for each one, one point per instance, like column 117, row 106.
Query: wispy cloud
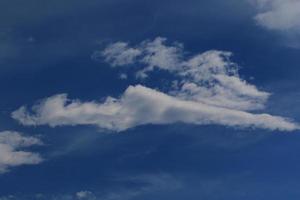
column 150, row 184
column 118, row 54
column 206, row 89
column 144, row 185
column 11, row 153
column 85, row 195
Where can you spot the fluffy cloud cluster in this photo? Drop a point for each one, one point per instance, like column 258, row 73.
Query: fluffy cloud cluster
column 11, row 153
column 281, row 15
column 206, row 89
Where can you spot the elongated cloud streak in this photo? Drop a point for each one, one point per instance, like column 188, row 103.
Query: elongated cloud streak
column 141, row 105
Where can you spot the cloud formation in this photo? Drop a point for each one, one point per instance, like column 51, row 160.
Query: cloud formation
column 11, row 153
column 206, row 89
column 281, row 15
column 118, row 54
column 140, row 105
column 209, row 78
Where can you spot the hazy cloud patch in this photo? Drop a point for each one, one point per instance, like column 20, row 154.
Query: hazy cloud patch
column 12, row 154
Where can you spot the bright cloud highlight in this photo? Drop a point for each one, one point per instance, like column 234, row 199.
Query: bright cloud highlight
column 206, row 89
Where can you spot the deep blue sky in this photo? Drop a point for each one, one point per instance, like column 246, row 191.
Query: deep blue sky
column 46, row 48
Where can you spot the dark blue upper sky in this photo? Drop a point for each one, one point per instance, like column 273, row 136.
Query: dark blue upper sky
column 46, row 49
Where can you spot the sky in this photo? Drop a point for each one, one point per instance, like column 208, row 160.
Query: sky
column 143, row 100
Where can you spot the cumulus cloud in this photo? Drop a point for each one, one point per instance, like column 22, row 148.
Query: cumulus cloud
column 11, row 153
column 206, row 89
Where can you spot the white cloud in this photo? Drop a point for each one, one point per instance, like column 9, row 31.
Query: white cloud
column 215, row 81
column 118, row 54
column 209, row 77
column 140, row 105
column 152, row 53
column 11, row 153
column 206, row 89
column 279, row 15
column 157, row 54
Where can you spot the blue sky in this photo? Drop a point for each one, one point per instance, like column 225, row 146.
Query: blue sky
column 142, row 100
